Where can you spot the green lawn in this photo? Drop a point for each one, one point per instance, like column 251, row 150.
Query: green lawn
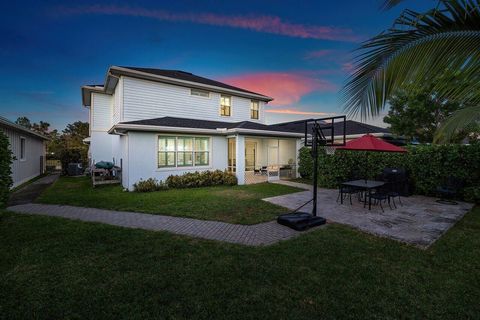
column 53, row 268
column 238, row 204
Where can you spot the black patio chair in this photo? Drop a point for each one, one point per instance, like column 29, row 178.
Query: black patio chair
column 344, row 191
column 449, row 190
column 395, row 191
column 381, row 195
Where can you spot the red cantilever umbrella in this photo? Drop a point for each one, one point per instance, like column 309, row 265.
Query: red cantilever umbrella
column 370, row 143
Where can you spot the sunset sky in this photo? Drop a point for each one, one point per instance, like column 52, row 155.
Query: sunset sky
column 298, row 52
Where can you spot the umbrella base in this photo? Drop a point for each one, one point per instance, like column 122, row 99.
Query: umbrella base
column 300, row 221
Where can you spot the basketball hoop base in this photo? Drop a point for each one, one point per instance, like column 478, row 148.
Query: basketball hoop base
column 300, row 221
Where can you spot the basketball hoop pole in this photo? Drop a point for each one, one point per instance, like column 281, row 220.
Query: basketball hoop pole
column 315, row 169
column 302, row 220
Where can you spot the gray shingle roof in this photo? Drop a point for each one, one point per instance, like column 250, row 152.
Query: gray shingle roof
column 352, row 127
column 207, row 124
column 187, row 76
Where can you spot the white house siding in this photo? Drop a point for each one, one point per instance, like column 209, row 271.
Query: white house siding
column 117, row 105
column 142, row 158
column 143, row 99
column 124, row 160
column 101, row 112
column 24, row 170
column 101, row 148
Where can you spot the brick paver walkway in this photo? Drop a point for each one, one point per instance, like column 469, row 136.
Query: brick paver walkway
column 254, row 235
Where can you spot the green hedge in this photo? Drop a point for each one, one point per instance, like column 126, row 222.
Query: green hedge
column 427, row 166
column 6, row 159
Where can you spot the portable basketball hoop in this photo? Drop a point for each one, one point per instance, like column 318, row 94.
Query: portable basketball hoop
column 318, row 133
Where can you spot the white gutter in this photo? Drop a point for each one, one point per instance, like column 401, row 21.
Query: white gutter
column 266, row 132
column 139, row 127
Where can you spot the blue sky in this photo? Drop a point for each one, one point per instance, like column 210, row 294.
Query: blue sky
column 297, row 51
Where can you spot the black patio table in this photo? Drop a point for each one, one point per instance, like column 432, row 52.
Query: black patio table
column 366, row 185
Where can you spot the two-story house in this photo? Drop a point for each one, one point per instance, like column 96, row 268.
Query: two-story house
column 162, row 122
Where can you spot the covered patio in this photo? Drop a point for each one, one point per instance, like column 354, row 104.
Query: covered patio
column 257, row 159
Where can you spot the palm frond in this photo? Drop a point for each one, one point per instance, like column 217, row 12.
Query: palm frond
column 417, row 49
column 389, row 4
column 457, row 121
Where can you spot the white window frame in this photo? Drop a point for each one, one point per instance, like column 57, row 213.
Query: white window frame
column 252, row 102
column 231, row 106
column 24, row 151
column 176, row 166
column 199, row 95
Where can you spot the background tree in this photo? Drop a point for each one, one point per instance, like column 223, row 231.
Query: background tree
column 24, row 121
column 418, row 113
column 421, row 47
column 66, row 146
column 73, row 147
column 42, row 127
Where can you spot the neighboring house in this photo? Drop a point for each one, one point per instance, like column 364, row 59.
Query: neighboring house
column 28, row 148
column 155, row 123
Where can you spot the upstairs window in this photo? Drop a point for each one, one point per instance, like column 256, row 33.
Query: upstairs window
column 254, row 107
column 225, row 105
column 22, row 149
column 200, row 93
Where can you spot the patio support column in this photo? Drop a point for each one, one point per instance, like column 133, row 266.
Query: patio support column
column 298, row 146
column 240, row 158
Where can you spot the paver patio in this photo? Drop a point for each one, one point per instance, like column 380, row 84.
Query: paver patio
column 420, row 221
column 254, row 235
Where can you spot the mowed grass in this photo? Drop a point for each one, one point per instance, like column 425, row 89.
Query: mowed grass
column 53, row 268
column 237, row 204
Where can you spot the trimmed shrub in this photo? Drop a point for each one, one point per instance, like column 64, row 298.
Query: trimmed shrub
column 428, row 166
column 6, row 158
column 149, row 185
column 187, row 180
column 201, row 179
column 472, row 194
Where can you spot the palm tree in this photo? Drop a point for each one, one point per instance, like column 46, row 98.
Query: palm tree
column 442, row 43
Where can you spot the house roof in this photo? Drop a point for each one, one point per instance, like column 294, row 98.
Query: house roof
column 12, row 125
column 206, row 124
column 352, row 127
column 176, row 77
column 219, row 127
column 187, row 76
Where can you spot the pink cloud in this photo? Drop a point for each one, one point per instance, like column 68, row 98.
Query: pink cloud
column 318, row 54
column 285, row 88
column 266, row 24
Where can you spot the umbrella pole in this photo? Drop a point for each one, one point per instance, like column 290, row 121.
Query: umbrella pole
column 366, row 166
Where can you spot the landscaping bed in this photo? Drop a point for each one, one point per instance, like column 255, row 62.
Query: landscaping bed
column 233, row 204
